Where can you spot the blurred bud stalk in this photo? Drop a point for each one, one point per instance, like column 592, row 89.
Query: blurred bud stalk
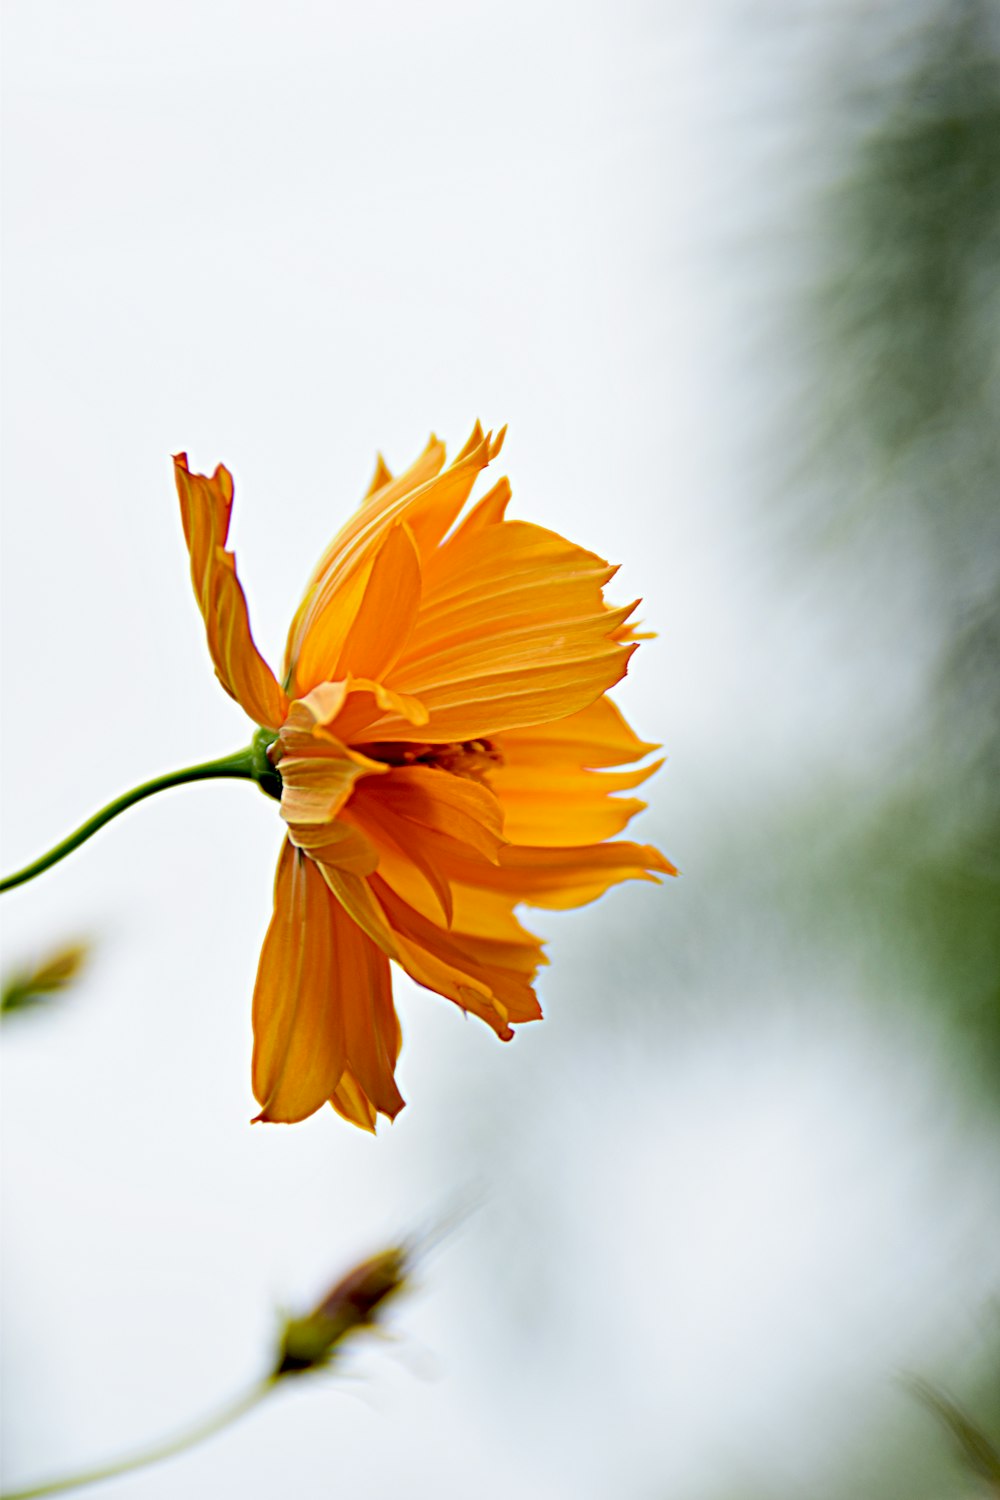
column 312, row 1342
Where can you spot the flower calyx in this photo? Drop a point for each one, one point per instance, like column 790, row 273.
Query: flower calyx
column 263, row 769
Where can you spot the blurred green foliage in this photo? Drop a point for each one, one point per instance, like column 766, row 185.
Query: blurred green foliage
column 910, row 315
column 922, row 215
column 915, row 303
column 977, row 1452
column 891, row 875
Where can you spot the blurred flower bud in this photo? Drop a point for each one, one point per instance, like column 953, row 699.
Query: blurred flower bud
column 30, row 987
column 310, row 1342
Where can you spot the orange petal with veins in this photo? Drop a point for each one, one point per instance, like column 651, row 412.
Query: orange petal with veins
column 206, row 506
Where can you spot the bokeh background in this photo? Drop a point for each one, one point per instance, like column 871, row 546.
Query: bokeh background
column 730, row 273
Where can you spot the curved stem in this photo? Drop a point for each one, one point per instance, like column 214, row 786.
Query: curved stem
column 244, row 764
column 197, row 1434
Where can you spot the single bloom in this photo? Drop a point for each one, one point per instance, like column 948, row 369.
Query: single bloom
column 447, row 752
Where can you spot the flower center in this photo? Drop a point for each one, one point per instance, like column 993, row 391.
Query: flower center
column 472, row 758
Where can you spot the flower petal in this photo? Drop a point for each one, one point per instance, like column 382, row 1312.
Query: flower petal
column 417, row 817
column 434, row 806
column 472, row 911
column 314, row 788
column 303, row 982
column 318, row 776
column 550, row 796
column 348, row 706
column 563, row 806
column 353, row 1104
column 512, row 631
column 382, row 625
column 563, row 877
column 206, row 505
column 487, row 974
column 427, row 965
column 596, row 736
column 489, row 511
column 355, row 895
column 366, row 633
column 373, row 1034
column 382, row 475
column 324, row 1023
column 490, row 976
column 427, row 500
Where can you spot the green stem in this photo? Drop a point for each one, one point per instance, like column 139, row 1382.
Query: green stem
column 188, row 1439
column 250, row 764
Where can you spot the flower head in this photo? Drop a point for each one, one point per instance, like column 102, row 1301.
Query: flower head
column 443, row 738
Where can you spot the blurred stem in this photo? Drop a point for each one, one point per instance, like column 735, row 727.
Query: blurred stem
column 188, row 1439
column 250, row 764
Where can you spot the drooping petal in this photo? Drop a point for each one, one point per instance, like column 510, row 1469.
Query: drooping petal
column 368, row 1083
column 428, row 501
column 206, row 506
column 353, row 1104
column 408, row 867
column 491, row 977
column 304, row 983
column 338, row 845
column 324, row 1023
column 483, row 973
column 472, row 911
column 512, row 631
column 355, row 895
column 490, row 914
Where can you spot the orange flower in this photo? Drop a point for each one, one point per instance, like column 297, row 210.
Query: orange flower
column 443, row 737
